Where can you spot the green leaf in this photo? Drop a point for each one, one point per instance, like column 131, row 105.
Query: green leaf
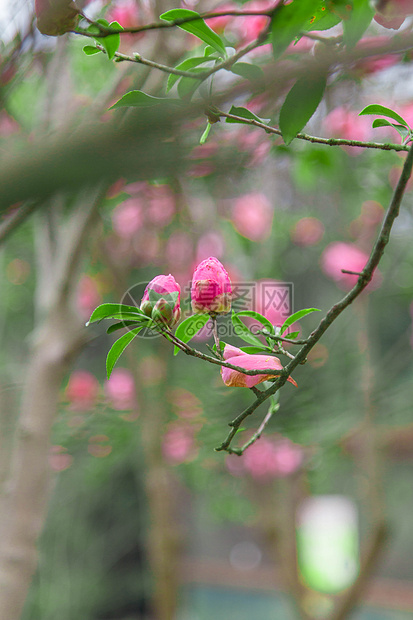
column 375, row 108
column 382, row 122
column 211, row 51
column 110, row 43
column 359, row 19
column 186, row 65
column 138, row 99
column 190, row 327
column 296, row 317
column 258, row 317
column 292, row 335
column 89, row 50
column 187, row 86
column 255, row 350
column 117, row 326
column 118, row 348
column 244, row 113
column 287, row 23
column 205, row 135
column 108, row 311
column 300, row 104
column 197, row 27
column 250, row 72
column 323, row 18
column 243, row 332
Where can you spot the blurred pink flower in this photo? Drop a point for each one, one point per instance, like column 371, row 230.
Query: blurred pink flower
column 392, row 13
column 233, row 378
column 178, row 444
column 252, row 216
column 338, row 256
column 344, row 123
column 211, row 288
column 185, row 404
column 372, row 64
column 161, row 207
column 218, row 24
column 267, row 458
column 125, row 12
column 249, row 27
column 59, row 459
column 120, row 390
column 365, row 225
column 82, row 390
column 8, row 125
column 307, row 231
column 272, row 299
column 97, row 448
column 88, row 295
column 127, row 218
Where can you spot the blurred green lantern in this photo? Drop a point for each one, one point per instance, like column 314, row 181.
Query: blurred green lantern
column 328, row 543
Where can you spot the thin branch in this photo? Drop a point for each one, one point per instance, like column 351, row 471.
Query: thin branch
column 258, row 433
column 315, row 139
column 290, row 341
column 225, row 64
column 107, row 31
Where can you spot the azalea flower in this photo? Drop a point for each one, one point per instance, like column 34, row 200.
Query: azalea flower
column 211, row 288
column 234, row 378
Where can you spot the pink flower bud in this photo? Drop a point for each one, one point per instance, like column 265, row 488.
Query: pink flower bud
column 55, row 17
column 211, row 288
column 162, row 298
column 233, row 378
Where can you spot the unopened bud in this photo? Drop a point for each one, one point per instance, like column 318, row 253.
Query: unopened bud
column 146, row 308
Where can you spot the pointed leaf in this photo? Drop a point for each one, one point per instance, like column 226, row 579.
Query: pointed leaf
column 89, row 50
column 244, row 113
column 254, row 350
column 205, row 134
column 196, row 27
column 186, row 65
column 107, row 311
column 375, row 108
column 359, row 19
column 138, row 99
column 292, row 335
column 187, row 86
column 382, row 122
column 258, row 317
column 323, row 18
column 287, row 23
column 296, row 317
column 117, row 326
column 110, row 43
column 190, row 327
column 118, row 348
column 244, row 333
column 300, row 104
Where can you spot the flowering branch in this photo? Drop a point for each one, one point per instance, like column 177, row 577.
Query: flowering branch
column 337, row 309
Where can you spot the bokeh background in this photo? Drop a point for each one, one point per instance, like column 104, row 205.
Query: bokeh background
column 145, row 520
